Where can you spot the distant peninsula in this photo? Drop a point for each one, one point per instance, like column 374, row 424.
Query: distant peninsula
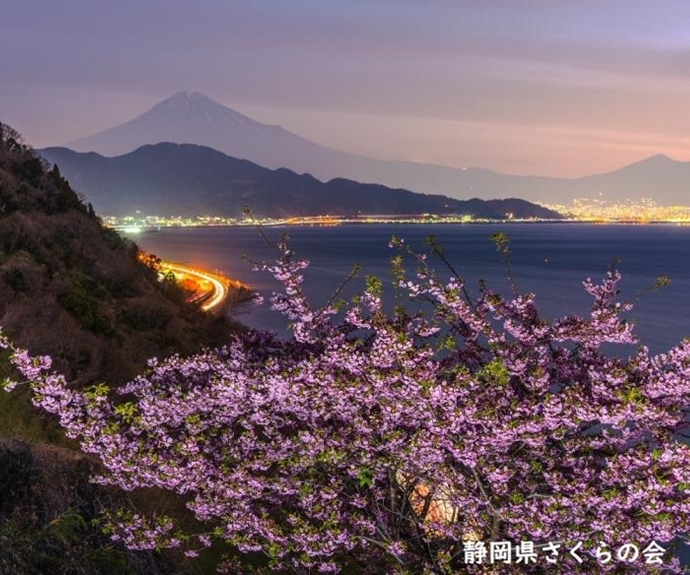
column 188, row 180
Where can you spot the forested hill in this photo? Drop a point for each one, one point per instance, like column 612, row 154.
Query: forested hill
column 74, row 290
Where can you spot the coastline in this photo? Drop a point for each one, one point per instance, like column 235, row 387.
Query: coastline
column 306, row 222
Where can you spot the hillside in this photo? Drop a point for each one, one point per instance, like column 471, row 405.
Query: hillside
column 74, row 290
column 187, row 179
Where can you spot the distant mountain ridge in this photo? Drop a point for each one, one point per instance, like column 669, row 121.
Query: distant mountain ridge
column 192, row 118
column 187, row 179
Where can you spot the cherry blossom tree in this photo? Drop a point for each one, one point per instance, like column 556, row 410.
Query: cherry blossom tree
column 478, row 437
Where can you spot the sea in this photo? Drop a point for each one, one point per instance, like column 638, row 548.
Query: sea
column 550, row 260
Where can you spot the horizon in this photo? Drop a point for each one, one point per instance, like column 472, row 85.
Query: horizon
column 528, row 88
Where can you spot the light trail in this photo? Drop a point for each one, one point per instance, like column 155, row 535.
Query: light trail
column 218, row 289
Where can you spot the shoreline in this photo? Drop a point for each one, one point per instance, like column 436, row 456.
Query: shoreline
column 351, row 222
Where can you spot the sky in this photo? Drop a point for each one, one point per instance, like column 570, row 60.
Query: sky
column 543, row 87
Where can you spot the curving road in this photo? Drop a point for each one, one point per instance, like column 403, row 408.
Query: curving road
column 214, row 288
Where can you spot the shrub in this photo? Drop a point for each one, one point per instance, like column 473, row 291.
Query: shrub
column 85, row 308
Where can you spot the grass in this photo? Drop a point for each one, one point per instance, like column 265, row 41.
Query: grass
column 20, row 419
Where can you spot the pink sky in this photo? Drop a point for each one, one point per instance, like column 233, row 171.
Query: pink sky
column 525, row 87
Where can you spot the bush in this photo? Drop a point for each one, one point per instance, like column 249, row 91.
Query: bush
column 16, row 280
column 86, row 309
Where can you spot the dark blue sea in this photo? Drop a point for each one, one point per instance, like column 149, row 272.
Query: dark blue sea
column 549, row 260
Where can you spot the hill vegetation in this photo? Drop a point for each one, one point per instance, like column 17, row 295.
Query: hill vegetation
column 75, row 290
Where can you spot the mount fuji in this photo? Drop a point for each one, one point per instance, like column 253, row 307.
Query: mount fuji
column 193, row 118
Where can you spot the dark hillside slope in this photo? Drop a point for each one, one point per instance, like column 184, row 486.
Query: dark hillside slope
column 76, row 291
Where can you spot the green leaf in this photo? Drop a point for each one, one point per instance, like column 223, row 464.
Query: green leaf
column 365, row 478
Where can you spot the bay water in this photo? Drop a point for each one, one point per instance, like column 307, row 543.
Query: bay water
column 549, row 260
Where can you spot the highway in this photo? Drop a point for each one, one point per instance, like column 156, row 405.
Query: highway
column 213, row 289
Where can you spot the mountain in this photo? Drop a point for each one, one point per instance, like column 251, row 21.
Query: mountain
column 192, row 118
column 659, row 177
column 188, row 179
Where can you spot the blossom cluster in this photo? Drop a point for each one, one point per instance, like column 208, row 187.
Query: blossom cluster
column 386, row 443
